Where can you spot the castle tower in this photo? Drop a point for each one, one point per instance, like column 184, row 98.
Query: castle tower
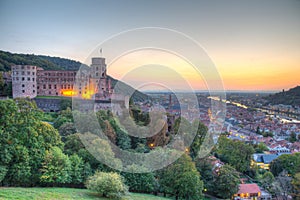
column 24, row 81
column 98, row 68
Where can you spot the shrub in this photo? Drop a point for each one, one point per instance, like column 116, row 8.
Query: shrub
column 109, row 185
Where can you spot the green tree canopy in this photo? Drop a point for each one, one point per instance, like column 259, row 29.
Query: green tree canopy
column 235, row 153
column 181, row 179
column 227, row 182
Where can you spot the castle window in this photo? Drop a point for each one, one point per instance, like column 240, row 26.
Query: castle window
column 17, row 78
column 28, row 73
column 33, row 91
column 23, row 79
column 33, row 85
column 44, row 86
column 97, row 74
column 50, row 86
column 49, row 92
column 54, row 86
column 23, row 73
column 38, row 87
column 32, row 73
column 23, row 85
column 22, row 67
column 32, row 79
column 23, row 91
column 28, row 78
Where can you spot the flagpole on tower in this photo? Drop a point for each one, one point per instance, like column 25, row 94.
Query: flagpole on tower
column 101, row 52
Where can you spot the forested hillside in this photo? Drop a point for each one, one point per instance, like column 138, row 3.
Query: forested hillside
column 290, row 97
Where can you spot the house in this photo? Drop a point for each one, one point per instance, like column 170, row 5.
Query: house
column 248, row 191
column 263, row 160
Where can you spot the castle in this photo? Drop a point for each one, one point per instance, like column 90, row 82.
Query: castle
column 31, row 81
column 87, row 83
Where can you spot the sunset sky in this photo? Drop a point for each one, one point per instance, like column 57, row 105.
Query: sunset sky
column 255, row 44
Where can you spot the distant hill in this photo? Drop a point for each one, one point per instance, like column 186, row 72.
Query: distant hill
column 290, row 97
column 8, row 59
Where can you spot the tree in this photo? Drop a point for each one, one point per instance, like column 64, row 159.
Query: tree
column 19, row 173
column 235, row 153
column 227, row 182
column 56, row 167
column 64, row 116
column 261, row 147
column 282, row 186
column 139, row 182
column 205, row 168
column 201, row 131
column 181, row 179
column 24, row 141
column 68, row 128
column 296, row 186
column 293, row 137
column 288, row 162
column 267, row 180
column 109, row 185
column 77, row 169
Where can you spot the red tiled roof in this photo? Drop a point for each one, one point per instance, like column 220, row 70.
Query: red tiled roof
column 248, row 188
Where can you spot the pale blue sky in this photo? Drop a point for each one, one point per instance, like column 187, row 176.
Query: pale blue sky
column 232, row 31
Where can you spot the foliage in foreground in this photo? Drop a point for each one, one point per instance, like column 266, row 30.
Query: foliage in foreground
column 182, row 179
column 109, row 185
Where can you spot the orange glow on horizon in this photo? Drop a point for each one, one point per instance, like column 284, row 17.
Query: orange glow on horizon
column 237, row 72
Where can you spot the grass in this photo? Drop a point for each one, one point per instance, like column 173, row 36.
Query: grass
column 53, row 97
column 61, row 193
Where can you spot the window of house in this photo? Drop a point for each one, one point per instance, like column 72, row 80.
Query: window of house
column 54, row 86
column 49, row 86
column 44, row 86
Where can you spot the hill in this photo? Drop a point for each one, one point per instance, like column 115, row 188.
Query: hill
column 63, row 193
column 290, row 97
column 8, row 59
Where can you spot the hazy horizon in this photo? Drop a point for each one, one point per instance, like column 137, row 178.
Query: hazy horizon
column 255, row 45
